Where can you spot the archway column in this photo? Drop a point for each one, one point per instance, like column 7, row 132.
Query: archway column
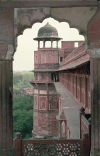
column 95, row 101
column 6, row 81
column 6, row 108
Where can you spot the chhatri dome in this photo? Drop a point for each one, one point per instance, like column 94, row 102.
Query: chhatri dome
column 47, row 32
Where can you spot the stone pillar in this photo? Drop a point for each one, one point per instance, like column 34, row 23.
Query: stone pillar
column 86, row 145
column 60, row 124
column 66, row 128
column 38, row 44
column 81, row 111
column 95, row 100
column 6, row 108
column 51, row 43
column 57, row 44
column 18, row 144
column 6, row 81
column 43, row 43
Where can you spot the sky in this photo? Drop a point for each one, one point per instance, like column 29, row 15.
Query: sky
column 24, row 55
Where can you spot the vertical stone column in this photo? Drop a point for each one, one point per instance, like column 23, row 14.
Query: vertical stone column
column 38, row 44
column 93, row 36
column 85, row 94
column 51, row 43
column 43, row 43
column 60, row 127
column 6, row 108
column 6, row 81
column 81, row 111
column 95, row 100
column 57, row 44
column 66, row 128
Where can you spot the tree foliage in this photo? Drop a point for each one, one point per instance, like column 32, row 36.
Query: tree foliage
column 22, row 117
column 21, row 81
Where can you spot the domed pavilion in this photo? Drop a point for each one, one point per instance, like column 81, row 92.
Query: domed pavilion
column 47, row 33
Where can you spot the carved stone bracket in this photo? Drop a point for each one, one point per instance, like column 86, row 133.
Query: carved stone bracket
column 94, row 53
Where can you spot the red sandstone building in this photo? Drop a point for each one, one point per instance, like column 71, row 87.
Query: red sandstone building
column 53, row 114
column 75, row 71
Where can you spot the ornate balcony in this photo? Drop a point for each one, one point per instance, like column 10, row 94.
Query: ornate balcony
column 55, row 147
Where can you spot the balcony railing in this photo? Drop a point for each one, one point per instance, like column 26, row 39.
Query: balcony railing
column 31, row 147
column 78, row 52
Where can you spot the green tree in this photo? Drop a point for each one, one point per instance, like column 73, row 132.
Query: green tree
column 22, row 117
column 21, row 81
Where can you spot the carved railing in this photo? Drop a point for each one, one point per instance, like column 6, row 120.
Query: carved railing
column 78, row 52
column 31, row 147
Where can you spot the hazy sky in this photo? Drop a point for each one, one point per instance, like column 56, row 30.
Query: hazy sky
column 24, row 56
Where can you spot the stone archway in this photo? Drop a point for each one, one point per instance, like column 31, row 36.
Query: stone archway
column 25, row 18
column 12, row 23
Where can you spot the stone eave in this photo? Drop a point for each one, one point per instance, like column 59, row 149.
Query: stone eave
column 75, row 65
column 47, row 38
column 44, row 70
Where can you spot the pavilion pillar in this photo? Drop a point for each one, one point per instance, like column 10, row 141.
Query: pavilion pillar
column 95, row 100
column 6, row 108
column 43, row 43
column 56, row 44
column 38, row 44
column 51, row 43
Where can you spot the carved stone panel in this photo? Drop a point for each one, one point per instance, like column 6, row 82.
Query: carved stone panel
column 35, row 101
column 39, row 76
column 43, row 102
column 53, row 102
column 43, row 91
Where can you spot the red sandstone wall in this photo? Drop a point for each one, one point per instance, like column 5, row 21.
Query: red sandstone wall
column 46, row 59
column 69, row 46
column 79, row 86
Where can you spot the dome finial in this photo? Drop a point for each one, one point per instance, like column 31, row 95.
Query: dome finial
column 47, row 25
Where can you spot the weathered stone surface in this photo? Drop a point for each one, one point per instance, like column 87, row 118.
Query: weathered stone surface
column 25, row 18
column 77, row 17
column 6, row 26
column 93, row 31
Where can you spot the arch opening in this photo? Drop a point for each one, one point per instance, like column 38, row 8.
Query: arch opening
column 26, row 45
